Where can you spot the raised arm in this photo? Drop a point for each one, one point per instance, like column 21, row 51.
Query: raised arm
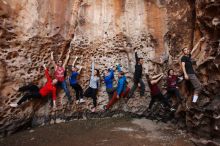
column 93, row 67
column 184, row 70
column 111, row 73
column 136, row 57
column 156, row 76
column 80, row 68
column 47, row 73
column 198, row 45
column 74, row 62
column 67, row 58
column 110, row 76
column 52, row 59
column 118, row 67
column 155, row 81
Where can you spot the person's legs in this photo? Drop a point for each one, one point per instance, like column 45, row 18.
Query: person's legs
column 94, row 93
column 30, row 87
column 142, row 87
column 110, row 92
column 66, row 90
column 80, row 91
column 133, row 88
column 125, row 93
column 76, row 91
column 153, row 99
column 28, row 97
column 177, row 94
column 169, row 94
column 112, row 101
column 163, row 100
column 197, row 86
column 88, row 92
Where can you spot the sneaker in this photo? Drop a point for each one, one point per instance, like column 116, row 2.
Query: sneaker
column 14, row 105
column 172, row 109
column 162, row 105
column 105, row 108
column 93, row 110
column 77, row 101
column 82, row 101
column 217, row 117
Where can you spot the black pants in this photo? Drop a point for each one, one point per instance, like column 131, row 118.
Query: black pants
column 161, row 98
column 29, row 88
column 174, row 92
column 33, row 92
column 90, row 92
column 79, row 91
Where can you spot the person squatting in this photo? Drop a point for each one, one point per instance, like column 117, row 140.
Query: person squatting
column 58, row 80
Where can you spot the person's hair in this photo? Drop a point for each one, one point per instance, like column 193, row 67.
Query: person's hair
column 75, row 68
column 98, row 73
column 122, row 73
column 60, row 61
column 168, row 72
column 148, row 79
column 129, row 45
column 140, row 58
column 184, row 48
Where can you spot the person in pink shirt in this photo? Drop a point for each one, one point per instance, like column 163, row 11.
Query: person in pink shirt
column 60, row 74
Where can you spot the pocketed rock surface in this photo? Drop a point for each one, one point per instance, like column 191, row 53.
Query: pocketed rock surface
column 109, row 31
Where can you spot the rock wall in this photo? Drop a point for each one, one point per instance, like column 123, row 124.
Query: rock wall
column 107, row 30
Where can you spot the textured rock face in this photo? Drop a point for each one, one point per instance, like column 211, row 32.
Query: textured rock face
column 107, row 30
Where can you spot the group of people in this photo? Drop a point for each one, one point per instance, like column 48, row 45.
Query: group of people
column 114, row 93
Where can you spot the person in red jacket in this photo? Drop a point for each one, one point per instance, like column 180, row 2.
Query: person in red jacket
column 35, row 92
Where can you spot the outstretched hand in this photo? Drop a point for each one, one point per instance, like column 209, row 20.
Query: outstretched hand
column 51, row 55
column 202, row 39
column 69, row 51
column 44, row 66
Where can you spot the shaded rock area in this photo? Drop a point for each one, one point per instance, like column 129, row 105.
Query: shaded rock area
column 109, row 31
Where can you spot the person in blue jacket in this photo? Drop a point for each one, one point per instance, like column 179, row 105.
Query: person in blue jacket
column 74, row 83
column 108, row 79
column 122, row 89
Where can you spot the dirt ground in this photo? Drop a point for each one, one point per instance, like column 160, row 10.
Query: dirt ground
column 100, row 132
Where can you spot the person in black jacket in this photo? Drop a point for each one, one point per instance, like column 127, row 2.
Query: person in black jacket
column 138, row 82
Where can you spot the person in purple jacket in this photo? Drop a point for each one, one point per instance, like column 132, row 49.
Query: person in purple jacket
column 74, row 83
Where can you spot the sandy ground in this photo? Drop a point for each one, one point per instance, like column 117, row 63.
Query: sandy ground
column 100, row 132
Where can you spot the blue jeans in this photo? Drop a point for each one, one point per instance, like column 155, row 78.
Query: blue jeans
column 63, row 85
